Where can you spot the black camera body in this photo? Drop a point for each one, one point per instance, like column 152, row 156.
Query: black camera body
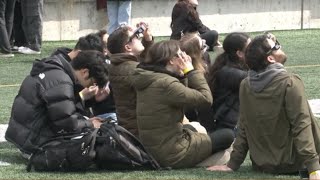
column 140, row 29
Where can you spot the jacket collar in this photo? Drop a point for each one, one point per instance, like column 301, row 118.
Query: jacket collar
column 159, row 69
column 122, row 57
column 259, row 80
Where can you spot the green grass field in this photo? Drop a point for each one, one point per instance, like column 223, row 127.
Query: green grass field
column 301, row 46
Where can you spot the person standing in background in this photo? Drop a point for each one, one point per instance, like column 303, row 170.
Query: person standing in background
column 6, row 23
column 32, row 11
column 119, row 12
column 17, row 38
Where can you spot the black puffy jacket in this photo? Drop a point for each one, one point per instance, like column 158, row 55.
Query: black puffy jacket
column 45, row 105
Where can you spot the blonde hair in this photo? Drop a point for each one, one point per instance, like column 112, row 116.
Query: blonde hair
column 189, row 43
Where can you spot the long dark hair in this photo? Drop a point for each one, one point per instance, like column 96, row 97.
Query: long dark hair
column 232, row 43
column 188, row 7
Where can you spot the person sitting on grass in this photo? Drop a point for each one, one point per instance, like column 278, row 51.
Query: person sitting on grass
column 276, row 124
column 45, row 105
column 99, row 100
column 185, row 19
column 196, row 48
column 161, row 100
column 126, row 48
column 224, row 78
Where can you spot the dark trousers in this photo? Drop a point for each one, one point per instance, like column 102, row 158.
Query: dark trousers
column 211, row 38
column 17, row 38
column 221, row 138
column 6, row 23
column 32, row 11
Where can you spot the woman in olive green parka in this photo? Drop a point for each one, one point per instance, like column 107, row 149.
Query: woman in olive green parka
column 161, row 98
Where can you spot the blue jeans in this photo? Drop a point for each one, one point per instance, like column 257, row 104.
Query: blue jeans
column 111, row 116
column 119, row 12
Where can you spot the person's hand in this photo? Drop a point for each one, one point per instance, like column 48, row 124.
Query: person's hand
column 88, row 93
column 147, row 32
column 185, row 63
column 96, row 121
column 223, row 168
column 315, row 175
column 102, row 94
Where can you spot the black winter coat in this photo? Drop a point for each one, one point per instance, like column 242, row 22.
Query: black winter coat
column 224, row 112
column 45, row 105
column 185, row 18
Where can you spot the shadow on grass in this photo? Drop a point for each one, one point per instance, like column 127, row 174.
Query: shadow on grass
column 10, row 154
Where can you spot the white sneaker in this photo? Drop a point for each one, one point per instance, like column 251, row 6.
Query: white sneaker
column 2, row 55
column 14, row 49
column 26, row 50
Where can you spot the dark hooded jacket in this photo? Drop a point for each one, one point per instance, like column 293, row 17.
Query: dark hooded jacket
column 276, row 124
column 122, row 67
column 45, row 105
column 120, row 70
column 161, row 99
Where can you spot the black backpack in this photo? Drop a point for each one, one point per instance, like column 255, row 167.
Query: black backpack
column 118, row 149
column 73, row 152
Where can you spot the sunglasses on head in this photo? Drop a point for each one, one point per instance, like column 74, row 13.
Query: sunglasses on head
column 276, row 46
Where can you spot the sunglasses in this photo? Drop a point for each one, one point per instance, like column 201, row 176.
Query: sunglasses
column 276, row 46
column 137, row 36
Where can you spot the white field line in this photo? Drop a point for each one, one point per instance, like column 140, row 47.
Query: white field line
column 3, row 128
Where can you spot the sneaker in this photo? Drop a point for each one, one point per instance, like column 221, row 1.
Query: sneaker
column 15, row 49
column 2, row 55
column 26, row 50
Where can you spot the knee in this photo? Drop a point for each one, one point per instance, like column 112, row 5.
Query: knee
column 229, row 137
column 214, row 33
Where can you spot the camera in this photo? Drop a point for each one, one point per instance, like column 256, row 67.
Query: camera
column 142, row 27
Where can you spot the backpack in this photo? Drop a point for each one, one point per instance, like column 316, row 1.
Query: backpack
column 118, row 149
column 73, row 152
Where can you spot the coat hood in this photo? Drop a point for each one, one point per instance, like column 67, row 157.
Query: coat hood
column 122, row 57
column 51, row 63
column 145, row 74
column 259, row 80
column 64, row 52
column 142, row 78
